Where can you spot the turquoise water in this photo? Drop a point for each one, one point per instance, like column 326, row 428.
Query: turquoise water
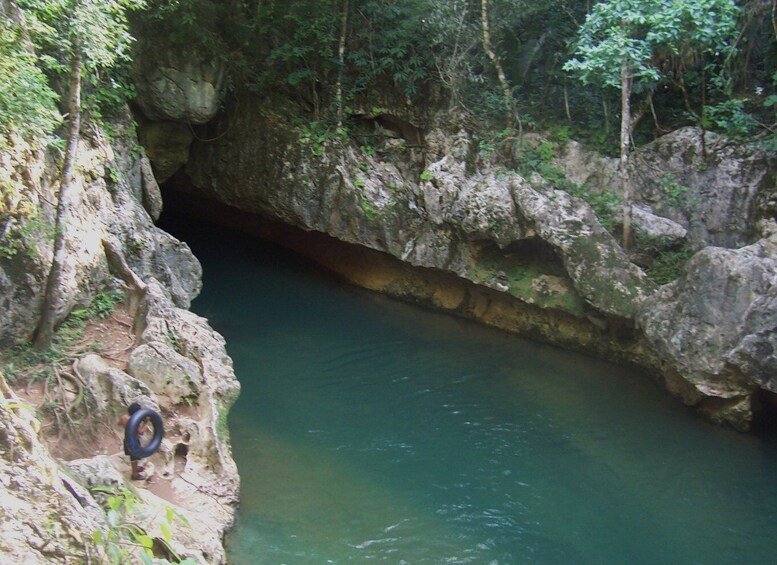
column 369, row 430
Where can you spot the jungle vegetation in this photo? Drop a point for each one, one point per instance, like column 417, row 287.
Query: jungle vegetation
column 490, row 63
column 613, row 73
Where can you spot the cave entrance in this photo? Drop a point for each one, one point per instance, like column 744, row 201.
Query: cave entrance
column 765, row 413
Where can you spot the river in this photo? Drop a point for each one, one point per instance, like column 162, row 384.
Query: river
column 372, row 430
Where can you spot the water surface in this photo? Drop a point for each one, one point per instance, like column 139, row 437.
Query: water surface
column 371, row 430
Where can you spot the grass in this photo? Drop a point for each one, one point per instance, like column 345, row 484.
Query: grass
column 668, row 265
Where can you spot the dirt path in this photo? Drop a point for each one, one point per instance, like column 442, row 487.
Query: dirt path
column 87, row 435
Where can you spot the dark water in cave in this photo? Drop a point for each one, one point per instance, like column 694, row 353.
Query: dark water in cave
column 371, row 430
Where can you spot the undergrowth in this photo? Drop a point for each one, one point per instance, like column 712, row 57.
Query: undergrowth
column 23, row 362
column 124, row 540
column 667, row 265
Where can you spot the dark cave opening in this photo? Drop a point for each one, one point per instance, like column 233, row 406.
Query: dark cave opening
column 764, row 406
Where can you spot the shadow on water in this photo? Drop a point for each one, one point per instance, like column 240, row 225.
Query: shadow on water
column 369, row 429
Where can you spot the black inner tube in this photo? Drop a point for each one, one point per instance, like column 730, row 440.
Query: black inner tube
column 135, row 448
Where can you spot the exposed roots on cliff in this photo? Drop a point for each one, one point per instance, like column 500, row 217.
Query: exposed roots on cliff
column 64, row 402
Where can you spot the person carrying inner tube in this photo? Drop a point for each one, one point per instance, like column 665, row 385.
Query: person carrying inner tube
column 137, row 470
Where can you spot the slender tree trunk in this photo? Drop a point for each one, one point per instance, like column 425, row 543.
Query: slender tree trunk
column 497, row 64
column 341, row 60
column 566, row 101
column 45, row 329
column 628, row 197
column 774, row 17
column 606, row 114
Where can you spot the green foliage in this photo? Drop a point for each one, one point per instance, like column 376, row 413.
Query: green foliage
column 316, row 135
column 189, row 23
column 98, row 31
column 613, row 35
column 174, row 342
column 97, row 28
column 537, row 159
column 104, row 303
column 389, row 43
column 731, row 118
column 562, row 133
column 629, row 33
column 640, row 44
column 123, row 540
column 21, row 237
column 604, row 203
column 387, row 46
column 368, row 209
column 667, row 265
column 427, row 175
column 108, row 95
column 675, row 194
column 27, row 102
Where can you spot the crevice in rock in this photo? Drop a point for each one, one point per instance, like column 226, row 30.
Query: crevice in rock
column 181, row 454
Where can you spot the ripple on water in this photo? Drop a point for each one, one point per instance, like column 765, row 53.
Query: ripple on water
column 368, row 430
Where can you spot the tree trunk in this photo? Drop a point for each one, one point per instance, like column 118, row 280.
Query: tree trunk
column 628, row 197
column 497, row 63
column 45, row 329
column 774, row 17
column 341, row 61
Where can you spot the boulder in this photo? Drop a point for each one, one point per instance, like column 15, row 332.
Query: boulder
column 175, row 82
column 110, row 387
column 717, row 325
column 207, row 380
column 717, row 189
column 44, row 518
column 663, row 232
column 585, row 167
column 166, row 144
column 165, row 371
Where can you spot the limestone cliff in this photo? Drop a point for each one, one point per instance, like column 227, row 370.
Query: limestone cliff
column 513, row 251
column 56, row 508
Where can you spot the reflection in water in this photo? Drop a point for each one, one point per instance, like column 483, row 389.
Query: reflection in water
column 371, row 430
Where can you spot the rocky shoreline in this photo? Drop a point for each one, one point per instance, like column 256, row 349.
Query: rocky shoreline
column 174, row 363
column 421, row 214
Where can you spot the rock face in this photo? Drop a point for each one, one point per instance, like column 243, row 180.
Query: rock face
column 717, row 190
column 42, row 521
column 717, row 327
column 108, row 204
column 526, row 240
column 441, row 218
column 51, row 511
column 178, row 87
column 176, row 83
column 180, row 368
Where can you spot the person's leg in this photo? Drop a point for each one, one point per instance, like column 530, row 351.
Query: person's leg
column 137, row 471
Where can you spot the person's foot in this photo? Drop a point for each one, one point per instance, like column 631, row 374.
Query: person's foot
column 139, row 476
